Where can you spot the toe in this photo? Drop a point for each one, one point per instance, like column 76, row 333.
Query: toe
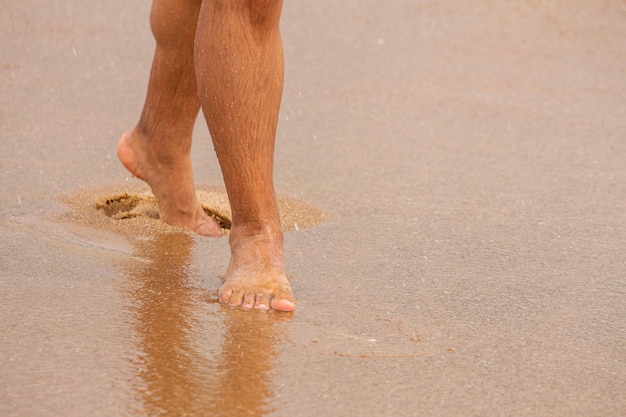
column 248, row 300
column 225, row 295
column 236, row 299
column 209, row 228
column 262, row 301
column 283, row 302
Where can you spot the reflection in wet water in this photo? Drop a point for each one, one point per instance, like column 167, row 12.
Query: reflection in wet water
column 177, row 371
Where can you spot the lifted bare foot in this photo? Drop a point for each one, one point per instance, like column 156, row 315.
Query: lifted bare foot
column 256, row 278
column 171, row 179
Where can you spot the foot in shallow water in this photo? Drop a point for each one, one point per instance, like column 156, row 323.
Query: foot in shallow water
column 256, row 278
column 171, row 179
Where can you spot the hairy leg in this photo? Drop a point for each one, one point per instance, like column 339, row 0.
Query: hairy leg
column 239, row 68
column 158, row 149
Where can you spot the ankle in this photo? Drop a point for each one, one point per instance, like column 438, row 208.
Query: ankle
column 258, row 232
column 157, row 149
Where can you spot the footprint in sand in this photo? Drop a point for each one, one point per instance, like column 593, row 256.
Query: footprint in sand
column 106, row 209
column 128, row 206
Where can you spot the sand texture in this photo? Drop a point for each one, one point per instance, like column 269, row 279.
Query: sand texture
column 453, row 182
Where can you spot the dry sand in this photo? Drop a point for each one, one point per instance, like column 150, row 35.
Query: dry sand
column 469, row 159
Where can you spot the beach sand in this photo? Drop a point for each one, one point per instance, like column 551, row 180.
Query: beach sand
column 453, row 186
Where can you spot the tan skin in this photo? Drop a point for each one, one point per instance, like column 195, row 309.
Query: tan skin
column 226, row 57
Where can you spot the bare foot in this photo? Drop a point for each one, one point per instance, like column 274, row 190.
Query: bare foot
column 171, row 179
column 256, row 274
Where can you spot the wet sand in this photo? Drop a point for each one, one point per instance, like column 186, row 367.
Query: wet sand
column 132, row 211
column 468, row 159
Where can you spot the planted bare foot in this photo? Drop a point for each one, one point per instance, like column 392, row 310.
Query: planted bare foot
column 170, row 177
column 256, row 278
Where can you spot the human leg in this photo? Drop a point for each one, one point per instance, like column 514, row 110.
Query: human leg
column 158, row 149
column 239, row 70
